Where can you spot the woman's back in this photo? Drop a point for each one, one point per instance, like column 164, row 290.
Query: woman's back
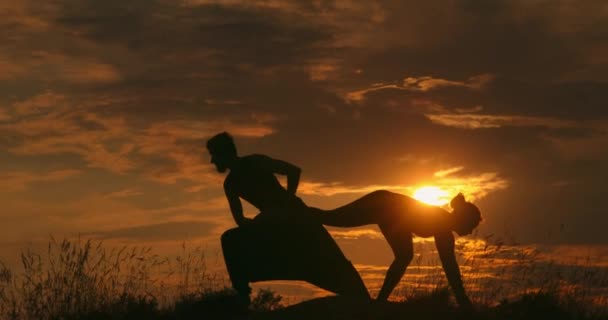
column 392, row 209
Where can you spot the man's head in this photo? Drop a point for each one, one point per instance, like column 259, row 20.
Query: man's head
column 222, row 150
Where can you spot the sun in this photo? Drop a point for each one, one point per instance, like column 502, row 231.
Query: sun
column 432, row 195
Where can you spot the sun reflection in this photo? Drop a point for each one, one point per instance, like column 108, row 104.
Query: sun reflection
column 432, row 195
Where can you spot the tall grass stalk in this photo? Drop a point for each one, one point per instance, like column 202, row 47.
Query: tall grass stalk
column 78, row 277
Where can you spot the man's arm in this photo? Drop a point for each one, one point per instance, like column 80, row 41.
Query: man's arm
column 284, row 168
column 445, row 247
column 236, row 208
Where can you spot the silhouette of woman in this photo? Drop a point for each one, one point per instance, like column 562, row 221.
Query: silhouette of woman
column 399, row 217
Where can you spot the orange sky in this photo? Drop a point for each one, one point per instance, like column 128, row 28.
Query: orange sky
column 105, row 107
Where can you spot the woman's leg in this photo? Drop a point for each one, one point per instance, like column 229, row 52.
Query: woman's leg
column 363, row 211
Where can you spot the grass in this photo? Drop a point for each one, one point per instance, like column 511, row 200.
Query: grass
column 81, row 280
column 78, row 279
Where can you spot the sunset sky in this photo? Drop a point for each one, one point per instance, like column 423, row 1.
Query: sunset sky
column 105, row 108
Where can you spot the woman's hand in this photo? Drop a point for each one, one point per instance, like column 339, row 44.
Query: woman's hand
column 464, row 302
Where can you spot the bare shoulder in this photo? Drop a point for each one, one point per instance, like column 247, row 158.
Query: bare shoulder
column 229, row 181
column 256, row 157
column 258, row 160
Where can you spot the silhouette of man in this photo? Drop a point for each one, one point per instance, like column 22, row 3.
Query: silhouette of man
column 284, row 241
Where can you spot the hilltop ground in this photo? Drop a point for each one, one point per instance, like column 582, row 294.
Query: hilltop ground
column 437, row 305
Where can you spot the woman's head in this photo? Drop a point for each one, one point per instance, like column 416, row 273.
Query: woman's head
column 467, row 215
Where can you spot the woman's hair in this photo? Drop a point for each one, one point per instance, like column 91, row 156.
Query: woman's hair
column 467, row 213
column 471, row 214
column 222, row 143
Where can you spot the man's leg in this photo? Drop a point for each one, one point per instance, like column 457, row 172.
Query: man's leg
column 303, row 251
column 342, row 279
column 330, row 269
column 234, row 250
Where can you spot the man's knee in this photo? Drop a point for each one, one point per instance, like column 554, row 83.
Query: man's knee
column 230, row 237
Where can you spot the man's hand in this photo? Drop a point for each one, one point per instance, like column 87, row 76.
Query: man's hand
column 284, row 168
column 244, row 222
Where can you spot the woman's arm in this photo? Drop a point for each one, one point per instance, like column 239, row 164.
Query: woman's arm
column 401, row 243
column 445, row 246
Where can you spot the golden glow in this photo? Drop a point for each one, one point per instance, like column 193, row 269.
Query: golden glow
column 432, row 195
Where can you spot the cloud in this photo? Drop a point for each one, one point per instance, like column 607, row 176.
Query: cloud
column 58, row 127
column 474, row 186
column 39, row 50
column 356, row 234
column 423, row 84
column 39, row 104
column 18, row 181
column 446, row 172
column 58, row 124
column 160, row 137
column 428, row 83
column 10, row 69
column 479, row 121
column 222, row 102
column 119, row 87
column 322, row 71
column 335, row 188
column 59, row 67
column 125, row 193
column 4, row 115
column 19, row 16
column 272, row 4
column 588, row 145
column 91, row 73
column 359, row 95
column 183, row 144
column 90, row 211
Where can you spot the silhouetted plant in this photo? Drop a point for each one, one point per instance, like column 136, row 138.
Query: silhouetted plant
column 83, row 280
column 77, row 278
column 266, row 300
